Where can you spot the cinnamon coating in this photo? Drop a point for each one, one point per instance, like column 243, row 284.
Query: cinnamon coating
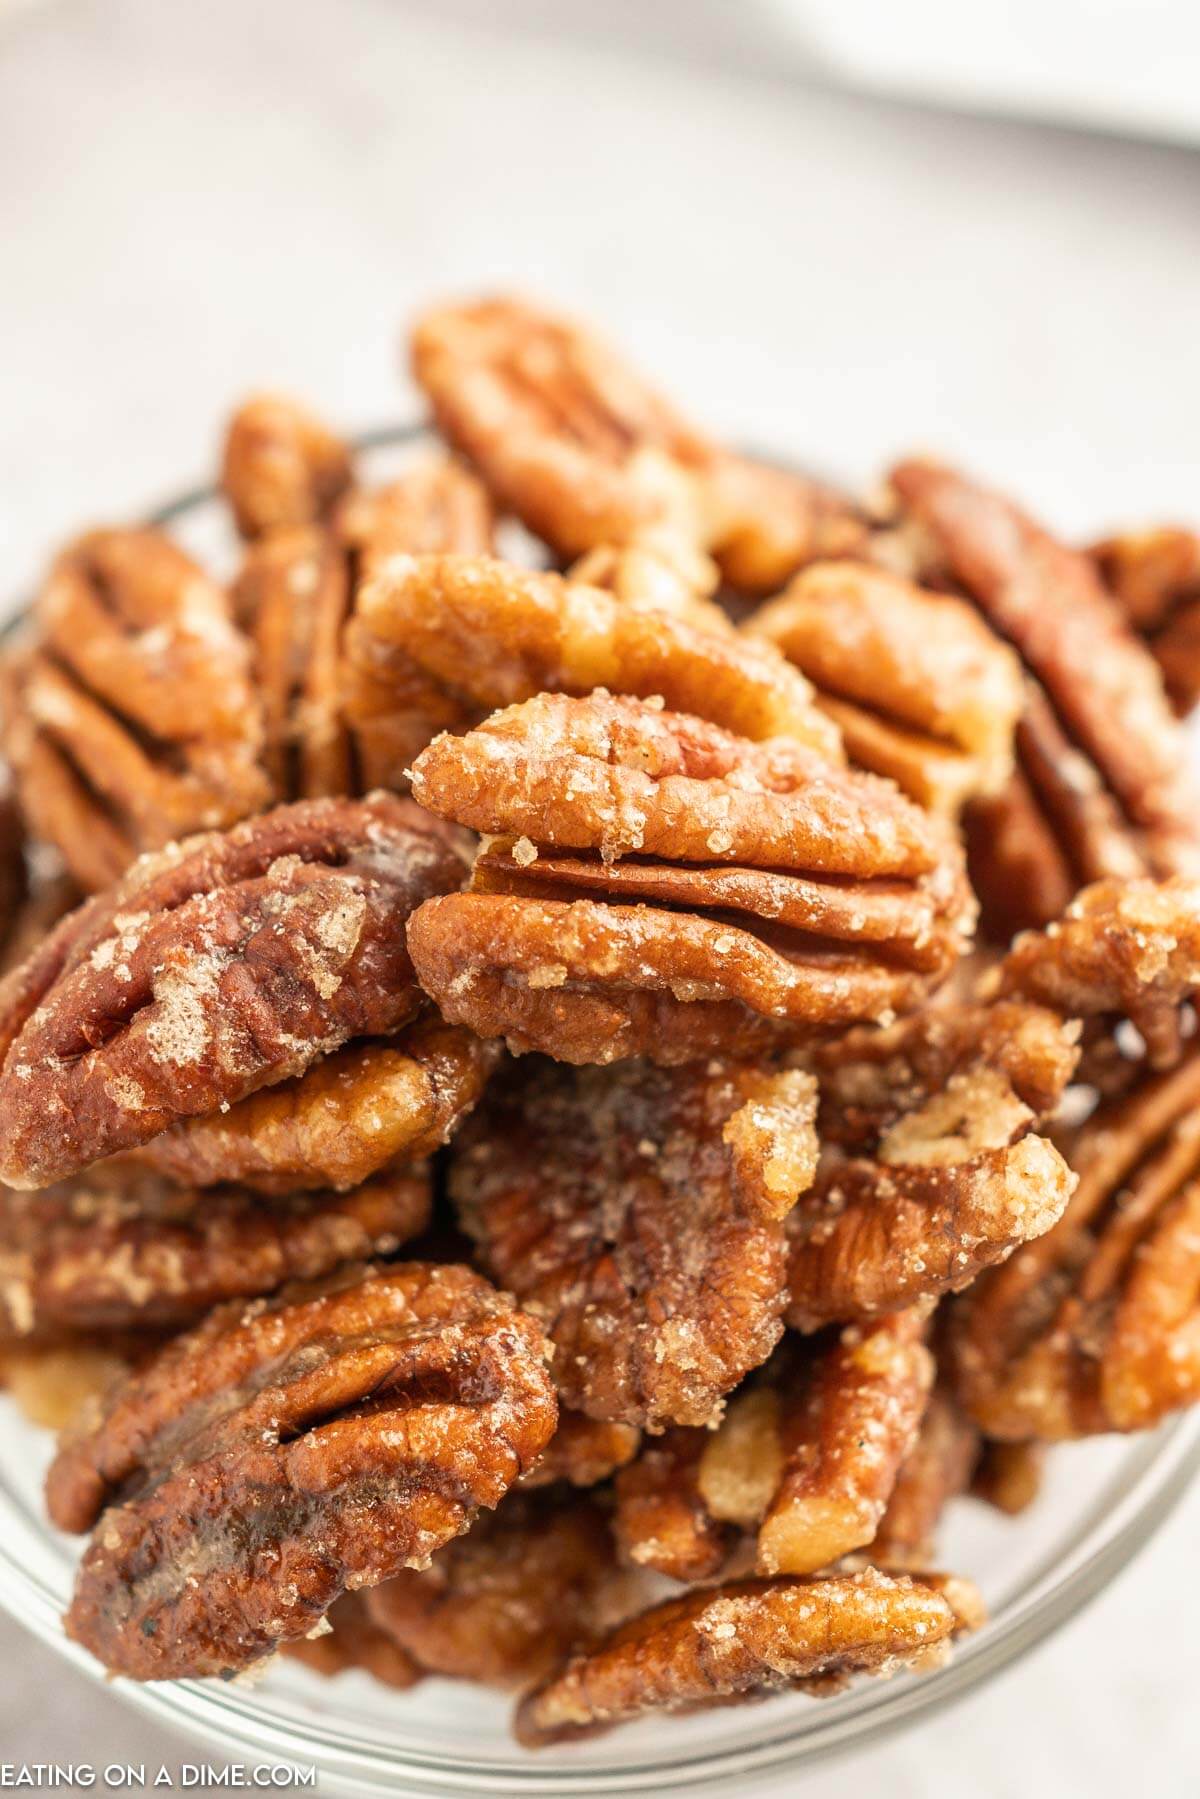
column 216, row 967
column 281, row 466
column 290, row 1451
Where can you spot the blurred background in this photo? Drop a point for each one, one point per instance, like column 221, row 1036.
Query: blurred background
column 832, row 227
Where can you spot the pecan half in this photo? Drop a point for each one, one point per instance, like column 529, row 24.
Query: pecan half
column 97, row 1254
column 361, row 1109
column 750, row 1637
column 636, row 1211
column 505, row 1602
column 1155, row 577
column 931, row 1168
column 723, row 871
column 1097, row 744
column 130, row 718
column 573, row 441
column 215, row 967
column 919, row 686
column 1097, row 1326
column 285, row 1452
column 281, row 466
column 350, row 1640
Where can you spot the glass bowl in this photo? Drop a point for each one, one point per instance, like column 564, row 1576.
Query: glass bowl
column 1102, row 1502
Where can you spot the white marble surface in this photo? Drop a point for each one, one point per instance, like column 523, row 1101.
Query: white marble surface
column 194, row 200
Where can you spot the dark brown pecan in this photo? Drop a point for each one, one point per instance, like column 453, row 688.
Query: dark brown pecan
column 348, row 1639
column 214, row 968
column 1155, row 577
column 749, row 1637
column 130, row 718
column 1097, row 744
column 635, row 1210
column 97, row 1253
column 286, row 1452
column 1096, row 1327
column 281, row 466
column 505, row 1602
column 931, row 1168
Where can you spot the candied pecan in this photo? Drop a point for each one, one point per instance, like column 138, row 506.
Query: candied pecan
column 96, row 1253
column 130, row 716
column 919, row 686
column 364, row 1107
column 483, row 633
column 636, row 1211
column 1097, row 1326
column 1098, row 746
column 1008, row 1476
column 930, row 1169
column 583, row 1451
column 1155, row 577
column 573, row 441
column 1123, row 949
column 347, row 1639
column 508, row 1600
column 281, row 466
column 754, row 873
column 748, row 1637
column 289, row 1451
column 215, row 967
column 661, row 1520
column 941, row 1464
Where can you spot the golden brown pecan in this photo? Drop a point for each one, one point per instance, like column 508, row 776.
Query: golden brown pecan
column 97, row 1253
column 281, row 466
column 930, row 1168
column 363, row 1108
column 723, row 871
column 573, row 441
column 1098, row 745
column 1155, row 577
column 940, row 1466
column 661, row 1520
column 919, row 686
column 583, row 1451
column 504, row 1603
column 129, row 713
column 477, row 633
column 636, row 1211
column 749, row 1637
column 349, row 1639
column 1097, row 1326
column 216, row 967
column 287, row 1452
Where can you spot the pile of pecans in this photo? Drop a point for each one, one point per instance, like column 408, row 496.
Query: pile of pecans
column 554, row 1117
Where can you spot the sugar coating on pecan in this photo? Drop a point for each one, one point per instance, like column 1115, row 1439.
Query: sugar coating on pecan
column 130, row 714
column 281, row 466
column 1154, row 575
column 920, row 687
column 931, row 1168
column 1097, row 1326
column 636, row 1211
column 215, row 967
column 751, row 1637
column 583, row 1451
column 348, row 1639
column 505, row 1602
column 486, row 633
column 941, row 1464
column 101, row 1252
column 359, row 1110
column 285, row 1452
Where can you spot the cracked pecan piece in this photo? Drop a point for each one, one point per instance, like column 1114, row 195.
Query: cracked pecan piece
column 507, row 1601
column 931, row 1168
column 942, row 1464
column 748, row 1638
column 584, row 1451
column 99, row 1254
column 659, row 878
column 288, row 1451
column 919, row 686
column 130, row 718
column 363, row 1108
column 1096, row 1327
column 1097, row 744
column 574, row 442
column 350, row 1640
column 281, row 466
column 1154, row 576
column 216, row 967
column 636, row 1211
